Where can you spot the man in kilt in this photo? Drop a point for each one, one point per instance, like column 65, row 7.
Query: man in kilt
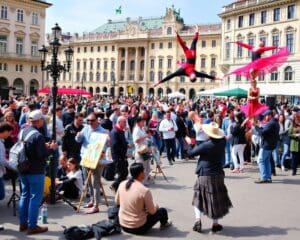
column 210, row 193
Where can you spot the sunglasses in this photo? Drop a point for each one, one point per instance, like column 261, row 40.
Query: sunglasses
column 91, row 120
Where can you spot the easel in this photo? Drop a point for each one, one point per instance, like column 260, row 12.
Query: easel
column 85, row 188
column 158, row 170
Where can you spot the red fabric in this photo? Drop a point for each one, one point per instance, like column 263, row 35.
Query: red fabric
column 254, row 108
column 66, row 91
column 264, row 65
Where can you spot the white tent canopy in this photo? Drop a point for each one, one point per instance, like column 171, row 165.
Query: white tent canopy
column 176, row 95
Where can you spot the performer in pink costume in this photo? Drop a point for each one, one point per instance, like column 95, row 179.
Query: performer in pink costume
column 253, row 107
column 187, row 68
column 261, row 66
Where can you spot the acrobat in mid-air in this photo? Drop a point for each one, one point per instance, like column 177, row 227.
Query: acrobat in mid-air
column 188, row 67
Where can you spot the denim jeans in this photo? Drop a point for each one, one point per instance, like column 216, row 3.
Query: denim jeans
column 156, row 141
column 32, row 193
column 180, row 147
column 264, row 163
column 285, row 153
column 2, row 189
column 228, row 159
column 160, row 215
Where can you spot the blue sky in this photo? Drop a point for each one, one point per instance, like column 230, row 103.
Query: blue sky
column 86, row 15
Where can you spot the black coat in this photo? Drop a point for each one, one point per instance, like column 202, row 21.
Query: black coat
column 238, row 134
column 269, row 134
column 118, row 145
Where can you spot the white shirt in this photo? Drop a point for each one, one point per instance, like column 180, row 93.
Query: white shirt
column 138, row 133
column 200, row 134
column 78, row 176
column 165, row 126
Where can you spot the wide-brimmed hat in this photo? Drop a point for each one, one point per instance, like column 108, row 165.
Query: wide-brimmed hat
column 212, row 130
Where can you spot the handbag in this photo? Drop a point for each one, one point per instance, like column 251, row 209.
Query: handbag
column 143, row 149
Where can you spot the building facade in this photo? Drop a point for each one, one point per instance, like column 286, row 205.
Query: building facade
column 129, row 56
column 277, row 23
column 22, row 32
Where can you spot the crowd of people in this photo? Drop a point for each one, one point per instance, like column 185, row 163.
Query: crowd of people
column 217, row 130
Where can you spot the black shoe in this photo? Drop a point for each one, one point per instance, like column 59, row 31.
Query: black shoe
column 197, row 227
column 294, row 173
column 259, row 181
column 226, row 166
column 217, row 228
column 231, row 167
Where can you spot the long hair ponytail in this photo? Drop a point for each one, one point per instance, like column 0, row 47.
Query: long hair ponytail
column 135, row 170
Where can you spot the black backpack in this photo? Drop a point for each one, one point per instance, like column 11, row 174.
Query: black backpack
column 79, row 232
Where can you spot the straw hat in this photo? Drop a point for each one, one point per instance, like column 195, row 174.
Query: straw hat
column 213, row 130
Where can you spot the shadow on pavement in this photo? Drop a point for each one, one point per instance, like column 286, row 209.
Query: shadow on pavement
column 254, row 231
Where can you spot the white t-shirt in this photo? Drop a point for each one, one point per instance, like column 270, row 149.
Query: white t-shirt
column 78, row 176
column 138, row 133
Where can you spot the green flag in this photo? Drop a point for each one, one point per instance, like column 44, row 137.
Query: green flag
column 119, row 10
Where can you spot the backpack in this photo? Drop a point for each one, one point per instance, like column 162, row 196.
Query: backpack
column 79, row 232
column 17, row 154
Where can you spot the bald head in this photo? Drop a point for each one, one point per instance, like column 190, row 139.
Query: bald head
column 121, row 122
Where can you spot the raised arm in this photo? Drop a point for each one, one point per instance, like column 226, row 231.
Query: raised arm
column 263, row 49
column 181, row 42
column 249, row 47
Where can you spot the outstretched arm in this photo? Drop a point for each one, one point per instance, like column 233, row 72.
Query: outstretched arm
column 263, row 49
column 204, row 75
column 181, row 42
column 244, row 45
column 179, row 72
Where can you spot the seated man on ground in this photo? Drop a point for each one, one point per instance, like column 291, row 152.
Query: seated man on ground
column 138, row 213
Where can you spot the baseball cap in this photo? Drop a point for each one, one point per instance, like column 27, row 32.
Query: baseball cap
column 35, row 115
column 268, row 112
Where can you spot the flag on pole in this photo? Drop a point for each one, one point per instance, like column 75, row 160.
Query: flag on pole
column 119, row 10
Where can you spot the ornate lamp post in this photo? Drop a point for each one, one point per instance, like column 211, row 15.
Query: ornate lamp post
column 55, row 69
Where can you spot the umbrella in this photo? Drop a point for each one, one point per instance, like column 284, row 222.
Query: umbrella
column 66, row 91
column 103, row 93
column 176, row 95
column 234, row 92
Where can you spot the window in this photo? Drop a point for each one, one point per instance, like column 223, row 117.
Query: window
column 152, row 45
column 19, row 46
column 142, row 65
column 92, row 49
column 202, row 63
column 275, row 42
column 123, row 65
column 132, row 65
column 151, row 76
column 274, row 76
column 19, row 68
column 20, row 15
column 227, row 50
column 35, row 18
column 105, row 76
column 238, row 78
column 34, row 48
column 78, row 50
column 276, row 14
column 203, row 43
column 142, row 52
column 98, row 77
column 84, row 76
column 169, row 44
column 263, row 39
column 169, row 63
column 240, row 21
column 213, row 43
column 261, row 78
column 3, row 12
column 228, row 24
column 291, row 11
column 251, row 19
column 288, row 74
column 182, row 79
column 85, row 49
column 213, row 62
column 123, row 52
column 290, row 42
column 161, row 45
column 3, row 66
column 98, row 48
column 91, row 64
column 78, row 66
column 3, row 44
column 91, row 76
column 160, row 75
column 105, row 48
column 105, row 64
column 169, row 31
column 239, row 52
column 112, row 64
column 113, row 48
column 77, row 76
column 160, row 63
column 84, row 65
column 152, row 63
column 263, row 17
column 98, row 64
column 250, row 42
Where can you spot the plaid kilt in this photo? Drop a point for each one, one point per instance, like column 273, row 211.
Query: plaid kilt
column 211, row 196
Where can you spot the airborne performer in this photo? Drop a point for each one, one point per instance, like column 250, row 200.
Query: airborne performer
column 188, row 67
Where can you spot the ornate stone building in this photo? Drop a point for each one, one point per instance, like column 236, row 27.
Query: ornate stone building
column 22, row 32
column 129, row 56
column 276, row 22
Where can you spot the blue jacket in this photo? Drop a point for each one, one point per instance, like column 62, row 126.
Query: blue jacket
column 269, row 134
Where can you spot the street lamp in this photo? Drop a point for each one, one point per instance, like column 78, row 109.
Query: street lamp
column 55, row 69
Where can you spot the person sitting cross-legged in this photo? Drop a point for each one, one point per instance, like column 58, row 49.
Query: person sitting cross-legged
column 138, row 213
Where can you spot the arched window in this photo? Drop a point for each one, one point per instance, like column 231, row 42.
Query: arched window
column 160, row 75
column 132, row 65
column 142, row 65
column 288, row 74
column 123, row 65
column 151, row 76
column 169, row 31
